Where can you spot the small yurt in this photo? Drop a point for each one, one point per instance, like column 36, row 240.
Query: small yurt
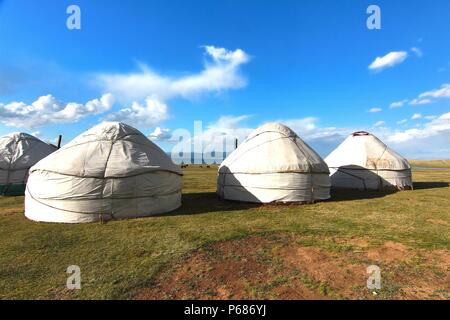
column 18, row 153
column 273, row 165
column 364, row 162
column 111, row 171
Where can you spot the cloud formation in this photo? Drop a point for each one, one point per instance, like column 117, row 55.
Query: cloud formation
column 398, row 104
column 221, row 72
column 226, row 127
column 389, row 60
column 149, row 113
column 218, row 75
column 47, row 109
column 437, row 126
column 375, row 110
column 432, row 95
column 160, row 134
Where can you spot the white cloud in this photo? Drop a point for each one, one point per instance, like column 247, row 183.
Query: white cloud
column 374, row 110
column 418, row 102
column 417, row 51
column 221, row 72
column 230, row 126
column 47, row 109
column 160, row 134
column 150, row 113
column 402, row 121
column 379, row 123
column 389, row 60
column 442, row 92
column 398, row 104
column 430, row 117
column 219, row 136
column 416, row 116
column 438, row 126
column 432, row 95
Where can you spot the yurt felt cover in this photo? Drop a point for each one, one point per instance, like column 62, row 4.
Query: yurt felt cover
column 363, row 161
column 18, row 153
column 274, row 165
column 111, row 171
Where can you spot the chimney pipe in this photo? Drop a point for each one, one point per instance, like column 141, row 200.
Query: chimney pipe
column 59, row 142
column 235, row 143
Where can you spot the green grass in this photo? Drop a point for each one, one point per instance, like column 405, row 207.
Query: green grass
column 431, row 163
column 119, row 256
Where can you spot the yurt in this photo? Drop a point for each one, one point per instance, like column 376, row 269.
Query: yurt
column 111, row 171
column 18, row 153
column 363, row 162
column 273, row 165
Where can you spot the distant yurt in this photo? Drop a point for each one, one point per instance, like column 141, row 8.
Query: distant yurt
column 363, row 162
column 18, row 153
column 273, row 165
column 111, row 171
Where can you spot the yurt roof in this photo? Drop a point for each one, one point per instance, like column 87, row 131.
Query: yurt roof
column 108, row 150
column 364, row 150
column 18, row 150
column 273, row 148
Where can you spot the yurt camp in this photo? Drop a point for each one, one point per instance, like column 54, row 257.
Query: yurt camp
column 364, row 162
column 18, row 153
column 273, row 165
column 111, row 171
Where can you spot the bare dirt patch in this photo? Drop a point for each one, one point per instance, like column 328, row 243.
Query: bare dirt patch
column 227, row 270
column 389, row 252
column 281, row 267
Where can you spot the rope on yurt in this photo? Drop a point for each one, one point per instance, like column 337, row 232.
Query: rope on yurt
column 380, row 181
column 104, row 178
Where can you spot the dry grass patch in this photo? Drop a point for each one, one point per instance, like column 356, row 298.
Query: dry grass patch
column 281, row 266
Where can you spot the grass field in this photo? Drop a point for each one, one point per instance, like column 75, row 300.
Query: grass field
column 217, row 249
column 431, row 163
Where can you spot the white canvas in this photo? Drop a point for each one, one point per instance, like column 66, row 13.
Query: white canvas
column 273, row 165
column 111, row 171
column 18, row 153
column 364, row 162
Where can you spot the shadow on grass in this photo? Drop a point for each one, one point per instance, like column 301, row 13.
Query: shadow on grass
column 339, row 194
column 207, row 202
column 430, row 185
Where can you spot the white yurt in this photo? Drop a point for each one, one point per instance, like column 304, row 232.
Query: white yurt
column 111, row 171
column 363, row 162
column 18, row 153
column 273, row 165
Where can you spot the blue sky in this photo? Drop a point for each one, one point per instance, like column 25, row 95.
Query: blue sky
column 161, row 65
